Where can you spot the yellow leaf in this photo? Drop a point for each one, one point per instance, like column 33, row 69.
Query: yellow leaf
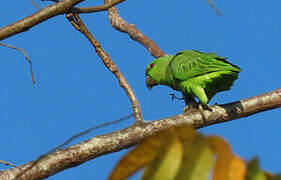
column 181, row 153
column 184, row 133
column 197, row 160
column 137, row 158
column 167, row 162
column 237, row 169
column 224, row 158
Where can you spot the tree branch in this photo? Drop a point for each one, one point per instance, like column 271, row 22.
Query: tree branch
column 26, row 58
column 77, row 22
column 108, row 143
column 61, row 7
column 103, row 7
column 7, row 163
column 214, row 7
column 121, row 25
column 38, row 17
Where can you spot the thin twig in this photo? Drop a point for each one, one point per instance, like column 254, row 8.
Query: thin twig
column 87, row 131
column 22, row 173
column 214, row 7
column 121, row 25
column 78, row 24
column 35, row 5
column 7, row 163
column 125, row 138
column 26, row 57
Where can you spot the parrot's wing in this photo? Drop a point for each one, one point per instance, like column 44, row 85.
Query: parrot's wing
column 189, row 63
column 219, row 81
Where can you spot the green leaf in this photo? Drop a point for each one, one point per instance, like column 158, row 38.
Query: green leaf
column 254, row 172
column 167, row 162
column 197, row 160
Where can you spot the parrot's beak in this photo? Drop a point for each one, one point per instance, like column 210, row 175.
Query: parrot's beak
column 150, row 82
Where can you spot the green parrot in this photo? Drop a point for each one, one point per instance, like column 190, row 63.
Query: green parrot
column 194, row 73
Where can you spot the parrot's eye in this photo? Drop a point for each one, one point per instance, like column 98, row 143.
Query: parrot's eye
column 151, row 65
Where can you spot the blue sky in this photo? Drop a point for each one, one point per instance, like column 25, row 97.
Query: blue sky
column 74, row 91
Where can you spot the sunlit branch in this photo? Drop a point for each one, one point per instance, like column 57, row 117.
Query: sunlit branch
column 125, row 138
column 121, row 25
column 76, row 21
column 61, row 7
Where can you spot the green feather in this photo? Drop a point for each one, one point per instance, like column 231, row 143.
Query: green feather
column 188, row 64
column 194, row 73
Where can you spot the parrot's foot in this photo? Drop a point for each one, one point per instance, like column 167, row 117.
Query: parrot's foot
column 199, row 106
column 206, row 107
column 191, row 105
column 202, row 108
column 173, row 96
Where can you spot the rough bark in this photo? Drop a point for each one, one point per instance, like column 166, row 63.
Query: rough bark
column 74, row 155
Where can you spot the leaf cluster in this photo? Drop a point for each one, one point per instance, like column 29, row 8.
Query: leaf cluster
column 182, row 153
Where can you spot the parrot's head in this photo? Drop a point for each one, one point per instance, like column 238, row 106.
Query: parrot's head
column 156, row 71
column 149, row 80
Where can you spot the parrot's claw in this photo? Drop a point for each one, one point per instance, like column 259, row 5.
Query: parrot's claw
column 202, row 108
column 173, row 96
column 206, row 107
column 191, row 105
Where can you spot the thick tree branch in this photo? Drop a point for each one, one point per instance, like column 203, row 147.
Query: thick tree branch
column 61, row 7
column 104, row 144
column 76, row 21
column 96, row 8
column 121, row 25
column 38, row 17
